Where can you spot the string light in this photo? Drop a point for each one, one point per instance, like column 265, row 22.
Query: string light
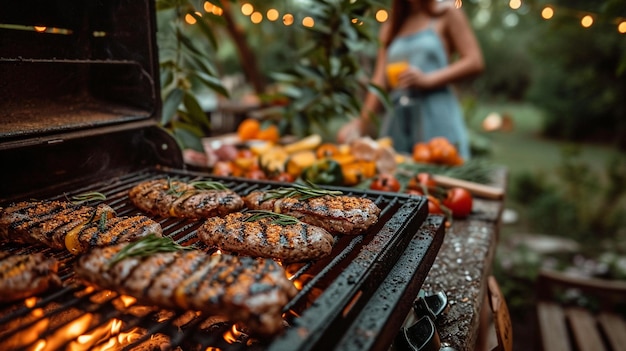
column 272, row 15
column 515, row 4
column 256, row 17
column 586, row 21
column 247, row 9
column 586, row 18
column 547, row 12
column 382, row 15
column 288, row 19
column 308, row 22
column 190, row 19
column 210, row 8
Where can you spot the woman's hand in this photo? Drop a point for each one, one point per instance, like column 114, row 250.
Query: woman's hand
column 413, row 77
column 350, row 131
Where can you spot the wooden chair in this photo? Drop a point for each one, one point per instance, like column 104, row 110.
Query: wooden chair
column 501, row 316
column 596, row 325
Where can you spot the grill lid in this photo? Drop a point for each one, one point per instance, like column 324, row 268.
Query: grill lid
column 69, row 66
column 79, row 93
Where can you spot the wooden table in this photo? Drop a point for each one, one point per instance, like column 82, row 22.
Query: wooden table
column 461, row 269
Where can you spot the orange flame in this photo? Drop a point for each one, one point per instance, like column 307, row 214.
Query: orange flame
column 232, row 335
column 109, row 333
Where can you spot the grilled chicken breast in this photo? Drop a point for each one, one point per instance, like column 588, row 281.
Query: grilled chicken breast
column 338, row 214
column 173, row 198
column 244, row 289
column 64, row 225
column 241, row 233
column 111, row 231
column 22, row 276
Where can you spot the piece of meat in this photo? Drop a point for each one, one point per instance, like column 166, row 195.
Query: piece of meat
column 64, row 225
column 23, row 276
column 173, row 198
column 47, row 222
column 262, row 236
column 338, row 214
column 111, row 231
column 246, row 290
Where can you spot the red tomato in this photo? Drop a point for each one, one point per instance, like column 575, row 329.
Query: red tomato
column 459, row 201
column 421, row 180
column 434, row 206
column 284, row 177
column 255, row 174
column 385, row 182
column 223, row 169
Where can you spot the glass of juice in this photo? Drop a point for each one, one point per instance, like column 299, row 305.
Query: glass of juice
column 393, row 70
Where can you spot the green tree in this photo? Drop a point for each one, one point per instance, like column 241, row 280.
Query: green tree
column 581, row 81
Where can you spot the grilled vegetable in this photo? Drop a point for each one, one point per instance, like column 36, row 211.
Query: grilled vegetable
column 323, row 172
column 310, row 142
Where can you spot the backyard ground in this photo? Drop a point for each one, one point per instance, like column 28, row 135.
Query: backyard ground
column 522, row 149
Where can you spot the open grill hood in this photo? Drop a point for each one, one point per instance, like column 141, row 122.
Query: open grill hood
column 79, row 110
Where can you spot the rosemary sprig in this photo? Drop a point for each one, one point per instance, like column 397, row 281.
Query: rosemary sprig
column 147, row 246
column 208, row 185
column 299, row 192
column 102, row 225
column 172, row 189
column 86, row 197
column 277, row 218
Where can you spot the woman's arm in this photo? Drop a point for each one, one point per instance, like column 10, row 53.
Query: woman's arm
column 459, row 38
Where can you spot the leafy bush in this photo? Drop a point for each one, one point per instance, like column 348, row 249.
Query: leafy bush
column 582, row 90
column 577, row 203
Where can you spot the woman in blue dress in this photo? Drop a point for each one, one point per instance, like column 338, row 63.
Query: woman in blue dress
column 437, row 41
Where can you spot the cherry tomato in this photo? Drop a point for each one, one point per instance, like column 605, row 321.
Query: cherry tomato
column 255, row 174
column 459, row 201
column 223, row 169
column 284, row 177
column 421, row 180
column 385, row 182
column 434, row 206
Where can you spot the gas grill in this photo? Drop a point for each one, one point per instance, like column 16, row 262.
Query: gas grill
column 79, row 110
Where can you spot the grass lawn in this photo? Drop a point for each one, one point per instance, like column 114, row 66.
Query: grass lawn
column 522, row 149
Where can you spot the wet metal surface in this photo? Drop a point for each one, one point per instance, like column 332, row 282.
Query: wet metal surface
column 461, row 268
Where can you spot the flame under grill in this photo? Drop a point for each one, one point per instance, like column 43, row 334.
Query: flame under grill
column 355, row 299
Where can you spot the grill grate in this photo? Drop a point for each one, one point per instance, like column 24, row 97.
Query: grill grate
column 335, row 290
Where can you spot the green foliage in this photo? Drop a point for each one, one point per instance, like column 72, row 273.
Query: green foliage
column 326, row 81
column 582, row 205
column 187, row 68
column 582, row 90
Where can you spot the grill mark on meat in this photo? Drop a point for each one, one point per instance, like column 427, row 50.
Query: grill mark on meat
column 173, row 198
column 22, row 276
column 26, row 216
column 245, row 290
column 164, row 268
column 116, row 229
column 342, row 214
column 262, row 237
column 65, row 225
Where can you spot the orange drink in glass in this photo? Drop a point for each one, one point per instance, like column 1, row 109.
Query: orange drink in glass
column 393, row 70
